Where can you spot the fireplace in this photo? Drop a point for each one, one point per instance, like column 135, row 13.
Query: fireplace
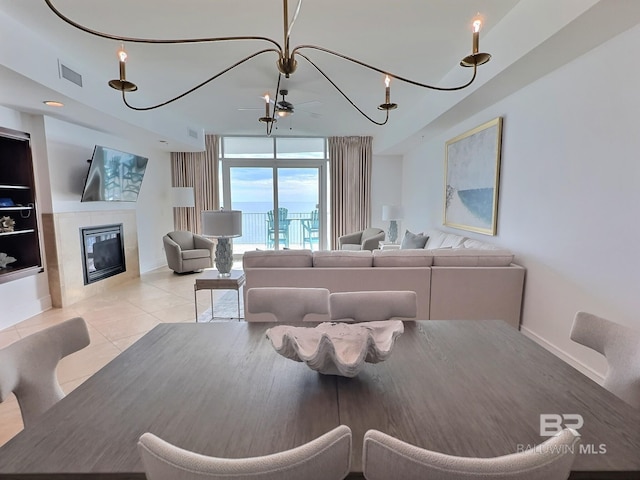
column 102, row 252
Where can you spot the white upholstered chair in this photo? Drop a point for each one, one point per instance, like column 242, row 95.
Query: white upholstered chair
column 367, row 239
column 187, row 251
column 328, row 457
column 372, row 306
column 287, row 304
column 385, row 457
column 621, row 347
column 28, row 366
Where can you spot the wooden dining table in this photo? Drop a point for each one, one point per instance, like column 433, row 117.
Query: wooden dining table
column 468, row 388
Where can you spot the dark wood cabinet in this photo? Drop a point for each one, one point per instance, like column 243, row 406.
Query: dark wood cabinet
column 18, row 215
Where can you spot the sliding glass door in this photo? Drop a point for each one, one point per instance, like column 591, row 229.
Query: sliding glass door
column 283, row 200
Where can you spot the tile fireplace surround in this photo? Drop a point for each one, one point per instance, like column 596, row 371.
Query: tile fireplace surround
column 62, row 242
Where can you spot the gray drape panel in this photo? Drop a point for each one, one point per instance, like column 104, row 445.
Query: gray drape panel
column 350, row 174
column 200, row 171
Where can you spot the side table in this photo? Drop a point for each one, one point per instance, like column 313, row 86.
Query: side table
column 210, row 280
column 389, row 246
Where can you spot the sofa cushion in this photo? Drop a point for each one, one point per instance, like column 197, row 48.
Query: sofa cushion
column 468, row 257
column 452, row 240
column 282, row 258
column 402, row 258
column 353, row 247
column 413, row 240
column 478, row 245
column 342, row 258
column 196, row 253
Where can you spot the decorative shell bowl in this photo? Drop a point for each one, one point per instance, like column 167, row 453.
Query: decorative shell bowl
column 337, row 348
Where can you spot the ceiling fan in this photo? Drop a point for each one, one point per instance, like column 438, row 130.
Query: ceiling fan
column 284, row 108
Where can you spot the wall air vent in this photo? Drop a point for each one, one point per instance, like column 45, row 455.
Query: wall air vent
column 68, row 74
column 192, row 133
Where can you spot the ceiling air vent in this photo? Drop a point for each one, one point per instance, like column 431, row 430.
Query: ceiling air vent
column 68, row 74
column 192, row 133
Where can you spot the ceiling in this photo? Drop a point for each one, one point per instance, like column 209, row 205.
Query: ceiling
column 419, row 39
column 415, row 38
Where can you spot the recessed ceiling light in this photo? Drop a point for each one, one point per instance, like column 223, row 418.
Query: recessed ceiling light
column 53, row 103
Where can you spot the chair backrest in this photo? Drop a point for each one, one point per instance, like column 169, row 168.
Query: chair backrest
column 314, row 222
column 385, row 457
column 283, row 213
column 370, row 232
column 621, row 347
column 288, row 304
column 326, row 458
column 372, row 306
column 182, row 238
column 28, row 366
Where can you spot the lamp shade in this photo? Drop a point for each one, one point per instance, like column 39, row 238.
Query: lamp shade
column 183, row 197
column 392, row 212
column 222, row 223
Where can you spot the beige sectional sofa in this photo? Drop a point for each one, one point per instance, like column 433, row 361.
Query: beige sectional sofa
column 454, row 277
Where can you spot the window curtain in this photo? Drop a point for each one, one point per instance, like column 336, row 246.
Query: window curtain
column 350, row 174
column 200, row 171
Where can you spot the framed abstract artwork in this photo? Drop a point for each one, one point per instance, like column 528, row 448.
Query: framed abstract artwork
column 472, row 177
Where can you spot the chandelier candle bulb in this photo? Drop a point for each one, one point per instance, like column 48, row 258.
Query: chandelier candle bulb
column 387, row 90
column 266, row 105
column 122, row 57
column 477, row 25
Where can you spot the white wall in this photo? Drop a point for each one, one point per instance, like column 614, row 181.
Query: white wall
column 68, row 148
column 386, row 188
column 569, row 193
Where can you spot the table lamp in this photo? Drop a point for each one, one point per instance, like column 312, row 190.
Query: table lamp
column 392, row 213
column 223, row 225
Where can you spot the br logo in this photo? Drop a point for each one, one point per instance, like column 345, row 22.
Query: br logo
column 552, row 423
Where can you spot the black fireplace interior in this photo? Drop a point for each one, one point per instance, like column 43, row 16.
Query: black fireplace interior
column 102, row 252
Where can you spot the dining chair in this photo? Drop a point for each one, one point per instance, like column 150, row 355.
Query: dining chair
column 385, row 457
column 28, row 366
column 328, row 457
column 621, row 347
column 372, row 306
column 283, row 227
column 287, row 304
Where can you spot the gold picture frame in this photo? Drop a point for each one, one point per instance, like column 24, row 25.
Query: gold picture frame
column 472, row 179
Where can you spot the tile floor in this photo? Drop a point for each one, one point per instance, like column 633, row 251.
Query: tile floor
column 115, row 320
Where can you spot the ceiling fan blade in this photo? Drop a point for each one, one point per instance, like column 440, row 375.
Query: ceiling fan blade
column 309, row 105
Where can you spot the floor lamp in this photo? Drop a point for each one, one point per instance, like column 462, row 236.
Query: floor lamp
column 223, row 225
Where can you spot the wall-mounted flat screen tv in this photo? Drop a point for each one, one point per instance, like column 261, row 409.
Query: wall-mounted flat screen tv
column 114, row 176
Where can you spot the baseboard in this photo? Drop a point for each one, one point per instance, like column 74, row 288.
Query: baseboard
column 571, row 360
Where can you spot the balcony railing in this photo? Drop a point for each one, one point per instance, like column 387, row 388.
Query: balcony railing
column 255, row 233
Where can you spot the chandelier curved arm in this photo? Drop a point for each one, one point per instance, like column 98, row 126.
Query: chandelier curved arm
column 376, row 69
column 344, row 94
column 271, row 123
column 152, row 40
column 293, row 20
column 200, row 85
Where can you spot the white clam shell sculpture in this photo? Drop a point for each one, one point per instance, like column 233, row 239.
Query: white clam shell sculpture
column 337, row 348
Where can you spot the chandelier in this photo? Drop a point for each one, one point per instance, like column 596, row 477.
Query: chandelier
column 286, row 64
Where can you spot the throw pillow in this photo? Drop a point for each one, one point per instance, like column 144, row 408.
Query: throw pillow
column 413, row 240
